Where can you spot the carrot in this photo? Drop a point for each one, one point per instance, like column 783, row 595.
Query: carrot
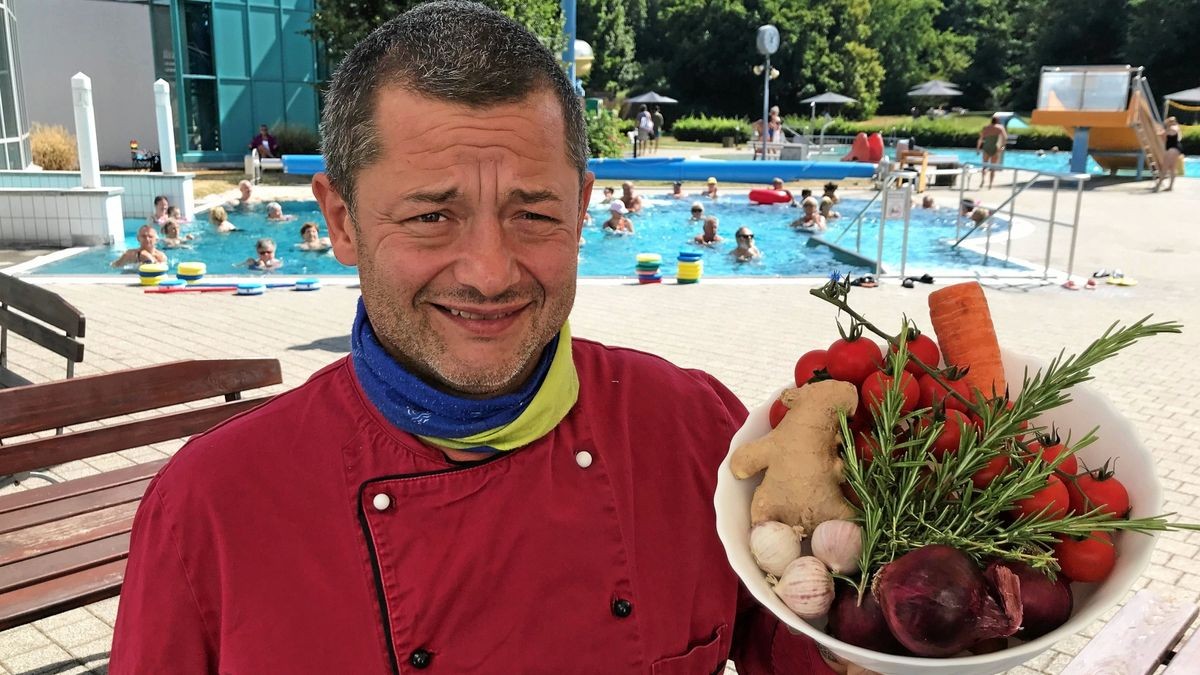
column 963, row 324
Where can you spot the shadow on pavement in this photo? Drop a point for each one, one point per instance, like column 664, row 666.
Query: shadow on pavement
column 340, row 345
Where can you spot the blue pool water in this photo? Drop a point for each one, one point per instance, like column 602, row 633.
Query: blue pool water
column 663, row 227
column 1053, row 163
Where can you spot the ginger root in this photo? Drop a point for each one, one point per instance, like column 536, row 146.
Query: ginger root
column 800, row 456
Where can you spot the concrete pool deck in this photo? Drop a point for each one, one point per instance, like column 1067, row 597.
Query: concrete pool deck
column 748, row 333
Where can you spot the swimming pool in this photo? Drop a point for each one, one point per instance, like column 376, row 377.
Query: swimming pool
column 663, row 227
column 1059, row 162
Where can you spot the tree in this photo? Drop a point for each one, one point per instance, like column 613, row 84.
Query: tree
column 1162, row 37
column 615, row 68
column 1069, row 33
column 338, row 25
column 915, row 48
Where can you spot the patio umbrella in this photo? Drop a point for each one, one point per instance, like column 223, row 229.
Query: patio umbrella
column 940, row 83
column 934, row 89
column 1187, row 95
column 827, row 97
column 651, row 97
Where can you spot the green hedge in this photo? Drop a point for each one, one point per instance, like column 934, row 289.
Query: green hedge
column 1191, row 140
column 605, row 135
column 944, row 134
column 710, row 129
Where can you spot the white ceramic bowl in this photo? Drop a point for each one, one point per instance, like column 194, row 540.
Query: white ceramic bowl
column 1087, row 409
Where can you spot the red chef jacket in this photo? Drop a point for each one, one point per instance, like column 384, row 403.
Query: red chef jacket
column 312, row 536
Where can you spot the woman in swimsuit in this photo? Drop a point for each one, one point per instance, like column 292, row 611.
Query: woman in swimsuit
column 1170, row 134
column 991, row 145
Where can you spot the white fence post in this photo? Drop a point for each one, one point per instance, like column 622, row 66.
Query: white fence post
column 85, row 130
column 166, row 125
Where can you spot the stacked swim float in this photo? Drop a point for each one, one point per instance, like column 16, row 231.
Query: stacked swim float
column 152, row 273
column 690, row 267
column 190, row 272
column 647, row 268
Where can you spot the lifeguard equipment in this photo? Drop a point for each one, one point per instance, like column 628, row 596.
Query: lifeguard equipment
column 152, row 273
column 191, row 272
column 768, row 196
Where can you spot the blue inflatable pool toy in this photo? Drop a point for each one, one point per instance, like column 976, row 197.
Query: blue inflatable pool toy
column 251, row 288
column 308, row 284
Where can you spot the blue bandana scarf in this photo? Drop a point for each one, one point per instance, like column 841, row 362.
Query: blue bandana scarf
column 413, row 405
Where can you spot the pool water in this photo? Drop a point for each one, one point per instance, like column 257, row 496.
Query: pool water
column 1059, row 162
column 664, row 227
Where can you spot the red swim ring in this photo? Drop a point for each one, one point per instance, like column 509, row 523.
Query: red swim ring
column 768, row 196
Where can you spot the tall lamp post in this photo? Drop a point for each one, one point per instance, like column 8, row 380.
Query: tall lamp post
column 767, row 42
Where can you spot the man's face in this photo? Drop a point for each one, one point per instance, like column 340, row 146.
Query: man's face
column 147, row 238
column 245, row 188
column 467, row 236
column 263, row 130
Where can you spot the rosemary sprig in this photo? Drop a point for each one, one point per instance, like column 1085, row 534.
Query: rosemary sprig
column 909, row 499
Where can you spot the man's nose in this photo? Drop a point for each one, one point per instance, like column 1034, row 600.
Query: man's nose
column 488, row 261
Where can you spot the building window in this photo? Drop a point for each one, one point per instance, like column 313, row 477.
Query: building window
column 203, row 123
column 14, row 137
column 198, row 39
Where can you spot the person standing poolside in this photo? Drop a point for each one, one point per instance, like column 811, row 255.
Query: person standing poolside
column 1171, row 136
column 658, row 126
column 645, row 129
column 146, row 252
column 457, row 494
column 774, row 125
column 630, row 198
column 991, row 143
column 746, row 250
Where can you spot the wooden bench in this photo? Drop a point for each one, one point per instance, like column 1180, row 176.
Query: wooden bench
column 1144, row 635
column 36, row 314
column 63, row 546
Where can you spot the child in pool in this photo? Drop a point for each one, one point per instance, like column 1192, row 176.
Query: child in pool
column 266, row 260
column 220, row 219
column 171, row 237
column 175, row 214
column 311, row 239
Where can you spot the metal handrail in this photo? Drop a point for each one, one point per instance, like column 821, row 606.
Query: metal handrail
column 888, row 181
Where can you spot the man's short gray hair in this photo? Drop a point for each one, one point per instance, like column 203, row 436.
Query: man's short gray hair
column 460, row 52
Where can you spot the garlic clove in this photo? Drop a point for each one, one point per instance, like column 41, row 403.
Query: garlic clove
column 774, row 545
column 838, row 544
column 806, row 587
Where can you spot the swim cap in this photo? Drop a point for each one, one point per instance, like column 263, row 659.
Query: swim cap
column 618, row 206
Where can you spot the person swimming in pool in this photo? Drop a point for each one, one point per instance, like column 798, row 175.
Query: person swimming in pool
column 176, row 215
column 220, row 219
column 171, row 237
column 746, row 250
column 311, row 239
column 709, row 237
column 608, row 196
column 630, row 198
column 266, row 260
column 828, row 200
column 697, row 214
column 161, row 208
column 992, row 139
column 275, row 213
column 677, row 191
column 812, row 220
column 617, row 223
column 146, row 252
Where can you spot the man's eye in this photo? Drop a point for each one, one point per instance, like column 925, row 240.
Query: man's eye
column 430, row 218
column 536, row 216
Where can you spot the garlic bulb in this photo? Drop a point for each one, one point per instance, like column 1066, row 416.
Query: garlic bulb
column 806, row 587
column 774, row 545
column 838, row 544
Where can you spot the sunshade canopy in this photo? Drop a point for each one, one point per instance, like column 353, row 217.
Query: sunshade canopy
column 652, row 97
column 934, row 89
column 1187, row 95
column 829, row 97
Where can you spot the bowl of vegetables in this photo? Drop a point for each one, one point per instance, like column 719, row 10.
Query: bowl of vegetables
column 968, row 533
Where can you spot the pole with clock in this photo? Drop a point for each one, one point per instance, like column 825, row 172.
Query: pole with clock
column 767, row 42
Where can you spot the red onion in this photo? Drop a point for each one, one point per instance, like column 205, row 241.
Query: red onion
column 861, row 624
column 1046, row 604
column 937, row 602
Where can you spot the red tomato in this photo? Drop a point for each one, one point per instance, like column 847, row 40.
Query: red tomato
column 853, row 360
column 925, row 349
column 1102, row 492
column 1050, row 448
column 809, row 364
column 878, row 382
column 932, row 393
column 778, row 410
column 1086, row 560
column 994, row 469
column 1053, row 499
column 865, row 445
column 951, row 435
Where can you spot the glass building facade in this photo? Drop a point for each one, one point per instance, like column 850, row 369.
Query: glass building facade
column 14, row 127
column 233, row 65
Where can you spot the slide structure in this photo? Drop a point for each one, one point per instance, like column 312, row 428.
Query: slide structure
column 1124, row 135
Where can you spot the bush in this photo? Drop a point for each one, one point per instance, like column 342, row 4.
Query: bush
column 1191, row 140
column 54, row 148
column 710, row 129
column 944, row 133
column 605, row 135
column 297, row 140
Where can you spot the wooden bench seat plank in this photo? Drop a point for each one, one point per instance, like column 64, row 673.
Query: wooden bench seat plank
column 42, row 304
column 10, row 379
column 1137, row 639
column 1187, row 659
column 73, row 506
column 66, row 533
column 80, row 486
column 49, row 451
column 62, row 563
column 39, row 601
column 65, row 403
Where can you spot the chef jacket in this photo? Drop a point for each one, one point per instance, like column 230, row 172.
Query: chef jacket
column 310, row 535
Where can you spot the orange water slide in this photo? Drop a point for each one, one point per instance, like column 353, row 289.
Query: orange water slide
column 1115, row 139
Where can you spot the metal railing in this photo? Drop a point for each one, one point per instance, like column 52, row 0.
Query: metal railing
column 1023, row 180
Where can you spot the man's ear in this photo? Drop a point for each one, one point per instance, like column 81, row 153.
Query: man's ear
column 585, row 199
column 337, row 217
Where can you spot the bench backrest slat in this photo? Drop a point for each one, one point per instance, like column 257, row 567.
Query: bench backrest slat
column 42, row 452
column 1131, row 642
column 63, row 345
column 62, row 403
column 1187, row 658
column 42, row 304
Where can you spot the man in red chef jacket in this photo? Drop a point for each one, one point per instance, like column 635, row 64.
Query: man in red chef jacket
column 472, row 490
